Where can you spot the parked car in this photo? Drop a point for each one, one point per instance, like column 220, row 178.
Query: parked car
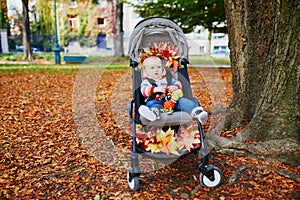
column 221, row 52
column 33, row 49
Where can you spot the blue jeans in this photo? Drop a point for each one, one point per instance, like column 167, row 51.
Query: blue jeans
column 155, row 104
column 183, row 104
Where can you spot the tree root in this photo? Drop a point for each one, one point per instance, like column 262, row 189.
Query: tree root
column 281, row 150
column 280, row 172
column 233, row 178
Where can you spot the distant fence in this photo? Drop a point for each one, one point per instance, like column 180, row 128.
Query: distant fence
column 46, row 43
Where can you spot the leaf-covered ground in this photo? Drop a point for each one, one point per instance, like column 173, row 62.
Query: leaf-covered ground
column 46, row 154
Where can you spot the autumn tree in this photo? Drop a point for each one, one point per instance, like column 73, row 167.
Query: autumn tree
column 264, row 53
column 26, row 32
column 86, row 12
column 45, row 23
column 3, row 14
column 46, row 16
column 187, row 14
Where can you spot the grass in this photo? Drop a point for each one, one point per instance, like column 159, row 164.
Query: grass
column 40, row 68
column 26, row 68
column 209, row 60
column 194, row 60
column 108, row 62
column 105, row 59
column 19, row 56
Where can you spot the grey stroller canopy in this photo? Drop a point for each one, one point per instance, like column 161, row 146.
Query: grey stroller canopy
column 153, row 30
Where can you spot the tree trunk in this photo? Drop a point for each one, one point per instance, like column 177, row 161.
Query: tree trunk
column 26, row 32
column 118, row 40
column 264, row 52
column 209, row 42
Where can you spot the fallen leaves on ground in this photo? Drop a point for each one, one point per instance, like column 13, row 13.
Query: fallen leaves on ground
column 43, row 156
column 230, row 133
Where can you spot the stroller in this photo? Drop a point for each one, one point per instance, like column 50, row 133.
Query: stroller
column 146, row 33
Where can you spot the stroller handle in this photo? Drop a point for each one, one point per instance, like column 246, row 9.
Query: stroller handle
column 133, row 63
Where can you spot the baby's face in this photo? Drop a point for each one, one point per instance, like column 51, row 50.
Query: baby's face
column 153, row 68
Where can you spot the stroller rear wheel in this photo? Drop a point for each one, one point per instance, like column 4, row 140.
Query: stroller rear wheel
column 214, row 180
column 133, row 181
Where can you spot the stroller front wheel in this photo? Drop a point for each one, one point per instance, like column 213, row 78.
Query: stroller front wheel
column 133, row 182
column 211, row 182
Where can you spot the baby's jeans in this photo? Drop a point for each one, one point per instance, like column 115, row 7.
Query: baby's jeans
column 183, row 104
column 187, row 105
column 155, row 104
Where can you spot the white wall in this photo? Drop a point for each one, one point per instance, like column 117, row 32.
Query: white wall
column 130, row 19
column 4, row 41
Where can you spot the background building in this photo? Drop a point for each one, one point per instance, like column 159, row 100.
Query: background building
column 3, row 27
column 87, row 27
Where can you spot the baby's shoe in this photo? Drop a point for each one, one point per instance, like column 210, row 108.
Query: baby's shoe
column 200, row 114
column 151, row 114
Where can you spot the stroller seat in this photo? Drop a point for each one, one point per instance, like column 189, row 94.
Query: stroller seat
column 176, row 118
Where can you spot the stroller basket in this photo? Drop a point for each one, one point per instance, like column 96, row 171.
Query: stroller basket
column 146, row 34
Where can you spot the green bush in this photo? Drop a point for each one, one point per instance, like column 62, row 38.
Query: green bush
column 48, row 45
column 87, row 41
column 13, row 41
column 10, row 58
column 47, row 56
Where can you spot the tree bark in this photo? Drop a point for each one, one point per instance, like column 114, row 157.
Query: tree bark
column 26, row 32
column 118, row 40
column 264, row 53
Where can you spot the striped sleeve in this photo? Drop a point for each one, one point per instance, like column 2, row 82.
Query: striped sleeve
column 147, row 89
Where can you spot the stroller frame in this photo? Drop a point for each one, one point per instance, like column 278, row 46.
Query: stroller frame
column 210, row 176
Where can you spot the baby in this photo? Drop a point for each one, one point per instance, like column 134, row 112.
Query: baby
column 154, row 88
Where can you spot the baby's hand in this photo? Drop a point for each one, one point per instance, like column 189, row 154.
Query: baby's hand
column 161, row 89
column 172, row 88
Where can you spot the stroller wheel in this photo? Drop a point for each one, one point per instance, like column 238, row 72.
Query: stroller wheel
column 134, row 182
column 211, row 182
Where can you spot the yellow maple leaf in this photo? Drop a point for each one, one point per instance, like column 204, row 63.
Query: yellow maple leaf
column 168, row 142
column 164, row 137
column 154, row 148
column 173, row 146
